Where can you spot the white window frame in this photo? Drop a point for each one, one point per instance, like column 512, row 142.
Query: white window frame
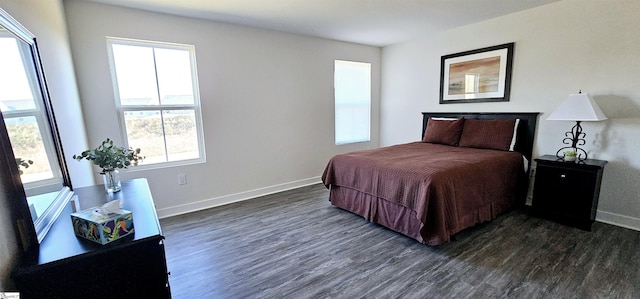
column 122, row 109
column 337, row 105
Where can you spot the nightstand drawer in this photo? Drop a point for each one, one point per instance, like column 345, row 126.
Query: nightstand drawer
column 564, row 191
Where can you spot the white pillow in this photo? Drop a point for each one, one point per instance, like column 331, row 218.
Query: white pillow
column 515, row 135
column 444, row 118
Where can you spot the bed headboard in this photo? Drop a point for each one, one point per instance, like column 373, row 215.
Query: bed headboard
column 526, row 128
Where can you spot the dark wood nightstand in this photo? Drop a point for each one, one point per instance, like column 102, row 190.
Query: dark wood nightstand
column 567, row 192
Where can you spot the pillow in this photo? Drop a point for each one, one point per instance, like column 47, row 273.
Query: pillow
column 490, row 134
column 444, row 131
column 515, row 136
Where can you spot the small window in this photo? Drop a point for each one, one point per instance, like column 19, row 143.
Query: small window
column 158, row 100
column 352, row 87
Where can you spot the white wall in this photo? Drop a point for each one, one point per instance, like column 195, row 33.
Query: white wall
column 45, row 19
column 560, row 48
column 267, row 102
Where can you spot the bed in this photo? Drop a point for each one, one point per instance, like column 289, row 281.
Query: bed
column 467, row 169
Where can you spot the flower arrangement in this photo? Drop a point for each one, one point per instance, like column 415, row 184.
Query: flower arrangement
column 570, row 155
column 110, row 157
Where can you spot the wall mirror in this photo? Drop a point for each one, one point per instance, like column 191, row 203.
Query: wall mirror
column 30, row 123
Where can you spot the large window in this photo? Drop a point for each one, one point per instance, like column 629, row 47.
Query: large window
column 158, row 100
column 352, row 87
column 21, row 106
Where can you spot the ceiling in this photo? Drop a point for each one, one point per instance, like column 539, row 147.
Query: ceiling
column 371, row 22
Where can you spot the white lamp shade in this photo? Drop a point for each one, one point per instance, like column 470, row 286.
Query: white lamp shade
column 578, row 107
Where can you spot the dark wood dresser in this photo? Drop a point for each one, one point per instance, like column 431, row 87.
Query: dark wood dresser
column 567, row 192
column 65, row 266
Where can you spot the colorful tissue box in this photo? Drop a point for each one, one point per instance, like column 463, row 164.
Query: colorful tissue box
column 102, row 229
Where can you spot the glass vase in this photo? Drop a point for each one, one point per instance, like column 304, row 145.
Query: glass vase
column 111, row 180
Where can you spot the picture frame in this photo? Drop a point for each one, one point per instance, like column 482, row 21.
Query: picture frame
column 481, row 75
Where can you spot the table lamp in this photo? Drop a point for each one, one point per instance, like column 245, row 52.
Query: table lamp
column 576, row 107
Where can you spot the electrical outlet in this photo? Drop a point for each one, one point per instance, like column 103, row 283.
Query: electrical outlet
column 182, row 179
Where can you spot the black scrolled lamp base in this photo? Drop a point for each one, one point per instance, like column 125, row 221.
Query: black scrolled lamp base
column 575, row 137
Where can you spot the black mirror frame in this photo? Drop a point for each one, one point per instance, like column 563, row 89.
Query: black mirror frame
column 34, row 231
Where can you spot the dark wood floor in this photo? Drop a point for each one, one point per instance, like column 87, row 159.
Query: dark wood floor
column 296, row 245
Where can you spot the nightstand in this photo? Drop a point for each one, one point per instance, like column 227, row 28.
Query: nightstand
column 567, row 192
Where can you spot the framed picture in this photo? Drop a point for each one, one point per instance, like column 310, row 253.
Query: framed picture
column 482, row 75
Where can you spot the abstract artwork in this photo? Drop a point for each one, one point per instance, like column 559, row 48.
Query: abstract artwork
column 482, row 75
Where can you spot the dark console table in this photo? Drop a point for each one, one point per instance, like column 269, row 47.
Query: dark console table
column 65, row 266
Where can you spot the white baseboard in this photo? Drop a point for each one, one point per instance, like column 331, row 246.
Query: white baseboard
column 602, row 216
column 615, row 219
column 231, row 198
column 618, row 220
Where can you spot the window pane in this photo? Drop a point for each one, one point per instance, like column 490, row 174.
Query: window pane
column 181, row 133
column 174, row 76
column 144, row 131
column 15, row 90
column 27, row 144
column 169, row 129
column 352, row 84
column 352, row 123
column 135, row 73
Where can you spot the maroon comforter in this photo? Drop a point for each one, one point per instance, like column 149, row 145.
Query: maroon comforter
column 449, row 188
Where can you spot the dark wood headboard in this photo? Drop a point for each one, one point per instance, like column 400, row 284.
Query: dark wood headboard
column 526, row 128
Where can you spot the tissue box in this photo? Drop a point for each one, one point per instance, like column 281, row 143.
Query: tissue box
column 102, row 229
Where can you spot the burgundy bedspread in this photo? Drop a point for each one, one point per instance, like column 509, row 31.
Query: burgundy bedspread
column 449, row 188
